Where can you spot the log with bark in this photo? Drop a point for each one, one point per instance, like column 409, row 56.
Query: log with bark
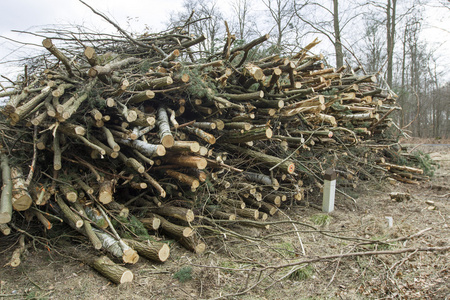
column 114, row 272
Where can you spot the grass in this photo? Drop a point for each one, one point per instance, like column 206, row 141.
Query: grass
column 228, row 264
column 302, row 273
column 184, row 274
column 321, row 219
column 287, row 249
column 36, row 295
column 380, row 246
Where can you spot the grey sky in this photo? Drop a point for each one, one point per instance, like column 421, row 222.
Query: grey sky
column 24, row 14
column 31, row 15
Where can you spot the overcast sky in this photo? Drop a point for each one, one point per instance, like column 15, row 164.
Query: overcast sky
column 24, row 14
column 31, row 15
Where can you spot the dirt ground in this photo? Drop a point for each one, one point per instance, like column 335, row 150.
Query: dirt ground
column 266, row 263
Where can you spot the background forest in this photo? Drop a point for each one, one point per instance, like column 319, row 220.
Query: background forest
column 395, row 39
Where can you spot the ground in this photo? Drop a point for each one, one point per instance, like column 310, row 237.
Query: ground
column 233, row 266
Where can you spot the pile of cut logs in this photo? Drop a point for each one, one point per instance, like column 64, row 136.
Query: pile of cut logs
column 128, row 136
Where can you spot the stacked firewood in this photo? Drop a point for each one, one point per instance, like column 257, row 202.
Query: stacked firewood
column 147, row 131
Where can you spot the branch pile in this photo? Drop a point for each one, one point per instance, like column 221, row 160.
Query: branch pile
column 124, row 136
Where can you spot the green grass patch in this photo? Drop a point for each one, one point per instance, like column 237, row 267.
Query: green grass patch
column 302, row 273
column 184, row 274
column 380, row 246
column 228, row 264
column 286, row 249
column 321, row 219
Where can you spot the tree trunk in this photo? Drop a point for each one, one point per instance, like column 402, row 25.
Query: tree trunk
column 337, row 35
column 391, row 24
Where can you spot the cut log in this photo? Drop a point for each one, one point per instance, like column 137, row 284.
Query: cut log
column 233, row 203
column 42, row 141
column 141, row 97
column 262, row 179
column 73, row 219
column 87, row 226
column 105, row 194
column 28, row 106
column 244, row 97
column 179, row 213
column 108, row 68
column 4, row 229
column 110, row 139
column 150, row 150
column 77, row 101
column 165, row 135
column 402, row 168
column 192, row 182
column 218, row 214
column 186, row 146
column 268, row 208
column 117, row 248
column 48, row 44
column 188, row 161
column 132, row 163
column 273, row 199
column 15, row 257
column 154, row 83
column 248, row 213
column 399, row 197
column 57, row 165
column 69, row 192
column 89, row 190
column 6, row 195
column 174, row 230
column 193, row 243
column 108, row 151
column 110, row 270
column 91, row 56
column 155, row 184
column 158, row 252
column 151, row 223
column 118, row 209
column 272, row 161
column 207, row 137
column 21, row 199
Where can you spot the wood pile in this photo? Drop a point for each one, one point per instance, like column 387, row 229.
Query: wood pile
column 129, row 135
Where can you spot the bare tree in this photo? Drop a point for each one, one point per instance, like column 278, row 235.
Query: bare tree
column 282, row 13
column 245, row 21
column 202, row 17
column 337, row 35
column 373, row 48
column 394, row 14
column 391, row 14
column 326, row 19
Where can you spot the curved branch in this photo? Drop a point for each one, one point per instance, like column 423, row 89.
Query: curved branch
column 133, row 41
